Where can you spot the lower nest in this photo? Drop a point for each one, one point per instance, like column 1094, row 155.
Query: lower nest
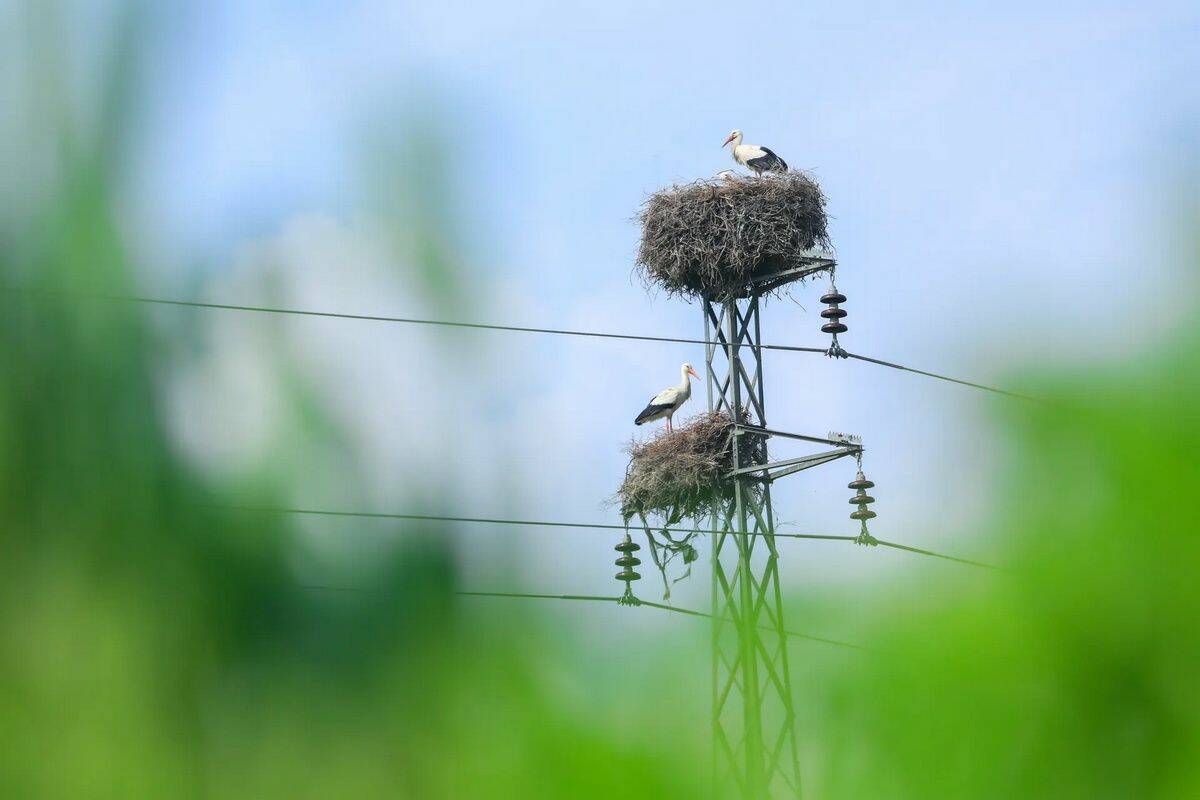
column 682, row 473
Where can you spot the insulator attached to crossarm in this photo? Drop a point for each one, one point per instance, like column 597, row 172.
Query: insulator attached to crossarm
column 860, row 484
column 833, row 317
column 627, row 561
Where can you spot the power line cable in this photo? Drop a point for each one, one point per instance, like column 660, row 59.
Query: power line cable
column 401, row 320
column 586, row 526
column 675, row 609
column 605, row 599
column 947, row 378
column 529, row 522
column 516, row 329
column 924, row 552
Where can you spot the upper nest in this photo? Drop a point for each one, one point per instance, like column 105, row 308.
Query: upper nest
column 680, row 474
column 713, row 238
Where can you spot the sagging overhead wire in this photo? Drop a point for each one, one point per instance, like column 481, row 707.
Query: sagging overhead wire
column 921, row 551
column 605, row 599
column 947, row 378
column 584, row 526
column 511, row 328
column 653, row 605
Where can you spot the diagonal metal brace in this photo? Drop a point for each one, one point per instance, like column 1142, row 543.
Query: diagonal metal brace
column 778, row 469
column 809, row 264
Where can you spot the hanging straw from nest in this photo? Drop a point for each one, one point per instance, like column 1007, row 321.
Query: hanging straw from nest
column 711, row 238
column 681, row 475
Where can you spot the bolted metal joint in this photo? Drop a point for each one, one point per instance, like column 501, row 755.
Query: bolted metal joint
column 865, row 538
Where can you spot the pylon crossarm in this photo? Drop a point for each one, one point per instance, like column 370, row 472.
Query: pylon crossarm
column 810, row 265
column 742, row 429
column 780, row 469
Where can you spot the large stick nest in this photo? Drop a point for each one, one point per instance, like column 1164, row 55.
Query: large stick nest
column 712, row 238
column 679, row 475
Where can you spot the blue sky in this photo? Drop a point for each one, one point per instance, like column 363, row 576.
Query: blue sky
column 1001, row 182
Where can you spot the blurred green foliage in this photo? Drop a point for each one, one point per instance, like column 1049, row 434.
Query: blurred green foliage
column 153, row 646
column 1076, row 676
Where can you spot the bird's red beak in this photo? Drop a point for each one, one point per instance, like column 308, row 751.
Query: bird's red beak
column 727, row 140
column 694, row 374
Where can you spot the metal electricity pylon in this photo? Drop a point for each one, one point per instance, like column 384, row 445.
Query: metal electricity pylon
column 754, row 739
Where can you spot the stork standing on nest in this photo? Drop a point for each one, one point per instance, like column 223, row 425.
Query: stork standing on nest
column 664, row 404
column 757, row 158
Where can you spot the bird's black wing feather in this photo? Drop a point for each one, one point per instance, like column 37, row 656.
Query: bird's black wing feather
column 650, row 411
column 768, row 163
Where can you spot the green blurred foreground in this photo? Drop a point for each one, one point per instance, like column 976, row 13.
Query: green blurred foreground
column 154, row 647
column 151, row 646
column 1076, row 677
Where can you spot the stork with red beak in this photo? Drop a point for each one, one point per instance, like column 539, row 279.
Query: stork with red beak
column 757, row 158
column 664, row 404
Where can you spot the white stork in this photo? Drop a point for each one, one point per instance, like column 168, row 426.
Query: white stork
column 758, row 158
column 664, row 404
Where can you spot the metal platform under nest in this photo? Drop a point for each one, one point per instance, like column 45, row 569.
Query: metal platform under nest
column 809, row 264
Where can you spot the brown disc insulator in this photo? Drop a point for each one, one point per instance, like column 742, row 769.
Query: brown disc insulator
column 860, row 482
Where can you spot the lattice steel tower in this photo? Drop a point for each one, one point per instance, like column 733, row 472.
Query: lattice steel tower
column 754, row 741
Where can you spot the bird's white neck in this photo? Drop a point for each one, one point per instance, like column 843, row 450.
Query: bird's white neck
column 685, row 380
column 734, row 152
